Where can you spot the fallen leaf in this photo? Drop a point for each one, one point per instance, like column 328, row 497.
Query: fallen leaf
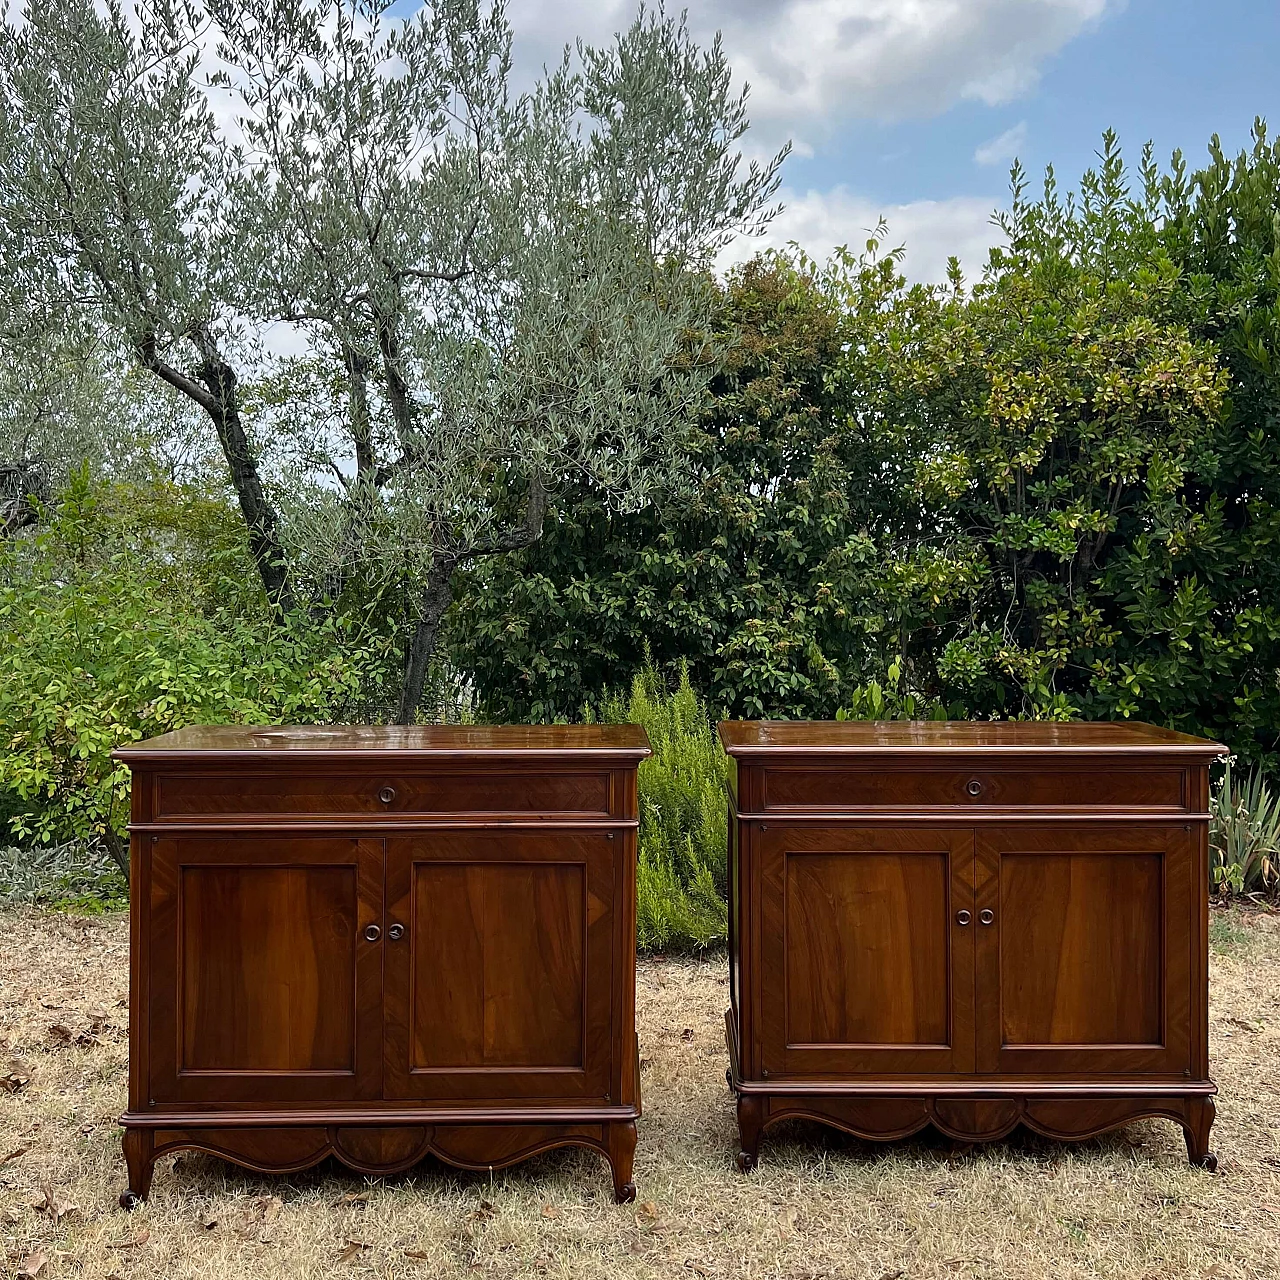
column 49, row 1004
column 14, row 1154
column 483, row 1211
column 645, row 1064
column 48, row 1202
column 687, row 1034
column 417, row 1255
column 351, row 1249
column 60, row 1031
column 11, row 1217
column 787, row 1221
column 351, row 1197
column 696, row 1267
column 1270, row 1208
column 140, row 1239
column 31, row 1266
column 87, row 1129
column 550, row 1211
column 208, row 1221
column 646, row 1214
column 271, row 1206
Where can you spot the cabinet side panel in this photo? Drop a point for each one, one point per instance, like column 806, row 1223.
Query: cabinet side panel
column 268, row 967
column 498, row 965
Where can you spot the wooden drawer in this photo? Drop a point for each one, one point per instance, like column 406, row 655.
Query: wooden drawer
column 196, row 796
column 796, row 789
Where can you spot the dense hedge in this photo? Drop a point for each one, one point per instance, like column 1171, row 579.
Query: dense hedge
column 1051, row 494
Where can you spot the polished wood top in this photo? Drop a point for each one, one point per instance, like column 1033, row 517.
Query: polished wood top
column 881, row 737
column 386, row 742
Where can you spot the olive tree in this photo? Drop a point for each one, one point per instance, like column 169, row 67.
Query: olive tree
column 494, row 294
column 112, row 216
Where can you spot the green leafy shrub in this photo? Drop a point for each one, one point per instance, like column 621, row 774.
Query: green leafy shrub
column 683, row 815
column 77, row 876
column 108, row 636
column 1244, row 836
column 891, row 701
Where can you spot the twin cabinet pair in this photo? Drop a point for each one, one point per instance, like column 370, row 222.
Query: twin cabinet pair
column 383, row 943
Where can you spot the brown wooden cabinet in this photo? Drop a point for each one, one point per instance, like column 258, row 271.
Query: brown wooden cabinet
column 969, row 925
column 380, row 944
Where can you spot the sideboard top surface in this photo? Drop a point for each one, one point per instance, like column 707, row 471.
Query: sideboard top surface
column 387, row 742
column 745, row 738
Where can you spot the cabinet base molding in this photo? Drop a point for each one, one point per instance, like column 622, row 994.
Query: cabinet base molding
column 375, row 1149
column 969, row 1112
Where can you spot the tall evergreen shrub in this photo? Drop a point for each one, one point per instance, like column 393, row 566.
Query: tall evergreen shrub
column 681, row 872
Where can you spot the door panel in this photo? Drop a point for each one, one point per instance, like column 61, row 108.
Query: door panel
column 1085, row 965
column 497, row 965
column 867, row 961
column 264, row 986
column 502, row 985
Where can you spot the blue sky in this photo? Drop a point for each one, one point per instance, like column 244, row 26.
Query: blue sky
column 914, row 108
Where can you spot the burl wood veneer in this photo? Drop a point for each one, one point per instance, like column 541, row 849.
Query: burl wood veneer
column 973, row 926
column 383, row 943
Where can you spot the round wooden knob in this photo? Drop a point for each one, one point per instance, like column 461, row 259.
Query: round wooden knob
column 387, row 795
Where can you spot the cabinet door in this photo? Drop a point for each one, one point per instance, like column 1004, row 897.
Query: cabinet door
column 503, row 984
column 263, row 987
column 866, row 947
column 1084, row 949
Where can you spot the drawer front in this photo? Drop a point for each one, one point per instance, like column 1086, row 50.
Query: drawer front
column 195, row 796
column 1059, row 787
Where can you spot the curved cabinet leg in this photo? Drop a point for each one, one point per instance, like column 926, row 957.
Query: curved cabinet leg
column 622, row 1150
column 1200, row 1113
column 139, row 1156
column 750, row 1125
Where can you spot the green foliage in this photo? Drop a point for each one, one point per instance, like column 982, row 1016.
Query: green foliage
column 76, row 877
column 681, row 871
column 119, row 621
column 1054, row 493
column 889, row 701
column 760, row 577
column 1244, row 836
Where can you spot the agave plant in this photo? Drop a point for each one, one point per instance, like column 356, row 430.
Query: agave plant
column 1244, row 836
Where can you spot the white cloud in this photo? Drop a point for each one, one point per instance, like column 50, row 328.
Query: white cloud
column 1005, row 147
column 812, row 63
column 930, row 230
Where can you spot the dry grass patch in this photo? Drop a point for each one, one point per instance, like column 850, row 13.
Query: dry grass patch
column 819, row 1206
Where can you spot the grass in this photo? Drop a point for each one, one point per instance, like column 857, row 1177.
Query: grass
column 820, row 1205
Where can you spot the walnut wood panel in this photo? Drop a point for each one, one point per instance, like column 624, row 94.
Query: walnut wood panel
column 864, row 965
column 267, row 957
column 280, row 874
column 1086, row 965
column 262, row 983
column 502, row 980
column 184, row 796
column 776, row 740
column 497, row 965
column 973, row 926
column 975, row 787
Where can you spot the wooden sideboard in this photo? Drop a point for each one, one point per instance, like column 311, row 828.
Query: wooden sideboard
column 383, row 943
column 968, row 925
